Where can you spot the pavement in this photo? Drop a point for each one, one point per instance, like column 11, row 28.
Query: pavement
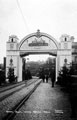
column 46, row 103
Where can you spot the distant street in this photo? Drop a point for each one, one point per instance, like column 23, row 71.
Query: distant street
column 46, row 103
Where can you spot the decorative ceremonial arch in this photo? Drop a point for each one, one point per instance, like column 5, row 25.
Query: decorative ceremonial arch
column 36, row 43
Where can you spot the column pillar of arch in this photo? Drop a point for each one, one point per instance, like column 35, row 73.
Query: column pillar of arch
column 12, row 53
column 57, row 66
column 65, row 51
column 20, row 68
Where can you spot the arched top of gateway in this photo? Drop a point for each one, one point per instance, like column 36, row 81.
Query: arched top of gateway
column 38, row 39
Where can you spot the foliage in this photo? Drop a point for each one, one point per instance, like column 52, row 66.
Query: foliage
column 35, row 67
column 64, row 77
column 26, row 74
column 2, row 76
column 11, row 75
column 48, row 67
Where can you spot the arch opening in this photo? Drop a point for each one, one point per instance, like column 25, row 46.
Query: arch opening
column 35, row 63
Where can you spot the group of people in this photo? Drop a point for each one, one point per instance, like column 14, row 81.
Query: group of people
column 46, row 77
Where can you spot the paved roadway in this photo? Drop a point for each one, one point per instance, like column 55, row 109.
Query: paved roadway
column 46, row 103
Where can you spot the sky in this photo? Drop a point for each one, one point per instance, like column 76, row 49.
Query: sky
column 22, row 17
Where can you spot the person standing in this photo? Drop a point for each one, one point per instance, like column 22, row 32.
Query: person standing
column 53, row 79
column 52, row 76
column 46, row 78
column 43, row 75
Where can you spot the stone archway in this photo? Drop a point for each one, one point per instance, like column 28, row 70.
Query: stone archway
column 34, row 43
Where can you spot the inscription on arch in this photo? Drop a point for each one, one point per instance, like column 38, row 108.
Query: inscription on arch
column 38, row 42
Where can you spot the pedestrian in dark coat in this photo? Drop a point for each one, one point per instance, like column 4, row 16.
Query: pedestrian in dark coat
column 53, row 79
column 46, row 78
column 43, row 74
column 43, row 77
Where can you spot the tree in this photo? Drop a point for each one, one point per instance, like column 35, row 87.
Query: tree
column 11, row 75
column 63, row 76
column 2, row 76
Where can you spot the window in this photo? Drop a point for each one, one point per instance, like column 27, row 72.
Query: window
column 12, row 40
column 65, row 39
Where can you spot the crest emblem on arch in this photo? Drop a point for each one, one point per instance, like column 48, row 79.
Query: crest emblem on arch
column 39, row 40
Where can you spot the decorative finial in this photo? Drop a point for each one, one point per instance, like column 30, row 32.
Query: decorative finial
column 38, row 33
column 72, row 38
column 38, row 30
